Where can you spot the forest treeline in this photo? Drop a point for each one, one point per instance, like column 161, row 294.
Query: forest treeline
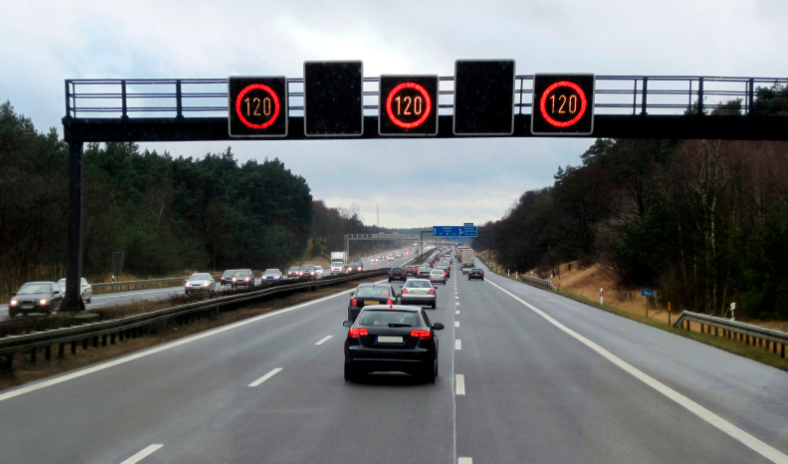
column 166, row 214
column 705, row 222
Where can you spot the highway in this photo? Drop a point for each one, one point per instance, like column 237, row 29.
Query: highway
column 525, row 376
column 116, row 298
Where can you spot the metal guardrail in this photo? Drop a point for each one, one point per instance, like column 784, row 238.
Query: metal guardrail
column 750, row 334
column 540, row 282
column 132, row 326
column 108, row 287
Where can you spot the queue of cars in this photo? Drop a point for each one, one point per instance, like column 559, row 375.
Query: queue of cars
column 390, row 331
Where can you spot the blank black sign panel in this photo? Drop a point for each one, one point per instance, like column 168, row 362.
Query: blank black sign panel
column 408, row 105
column 484, row 97
column 257, row 106
column 333, row 100
column 563, row 104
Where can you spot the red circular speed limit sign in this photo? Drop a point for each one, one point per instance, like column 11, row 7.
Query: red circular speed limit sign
column 416, row 102
column 258, row 106
column 578, row 112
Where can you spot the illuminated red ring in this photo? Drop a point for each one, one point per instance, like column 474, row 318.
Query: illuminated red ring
column 418, row 122
column 248, row 89
column 546, row 94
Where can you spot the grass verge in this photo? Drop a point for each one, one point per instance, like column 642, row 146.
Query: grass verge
column 24, row 372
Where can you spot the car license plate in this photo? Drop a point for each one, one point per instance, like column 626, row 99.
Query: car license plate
column 418, row 293
column 27, row 306
column 383, row 339
column 371, row 302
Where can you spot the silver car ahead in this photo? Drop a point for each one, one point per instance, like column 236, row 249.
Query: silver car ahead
column 87, row 289
column 418, row 292
column 438, row 275
column 199, row 282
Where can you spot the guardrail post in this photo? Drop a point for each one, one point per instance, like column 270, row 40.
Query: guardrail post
column 112, row 338
column 104, row 340
column 95, row 341
column 33, row 355
column 61, row 350
column 120, row 335
column 74, row 347
column 48, row 353
column 85, row 343
column 782, row 350
column 9, row 360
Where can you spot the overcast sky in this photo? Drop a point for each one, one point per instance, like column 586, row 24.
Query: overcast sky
column 416, row 182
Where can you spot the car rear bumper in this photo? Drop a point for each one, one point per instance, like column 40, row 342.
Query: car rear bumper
column 421, row 299
column 370, row 359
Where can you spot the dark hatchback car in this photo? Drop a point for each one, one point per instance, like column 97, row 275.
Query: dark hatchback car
column 475, row 273
column 370, row 294
column 227, row 277
column 423, row 272
column 36, row 298
column 397, row 273
column 410, row 271
column 392, row 339
column 242, row 278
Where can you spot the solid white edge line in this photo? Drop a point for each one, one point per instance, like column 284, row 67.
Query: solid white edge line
column 458, row 344
column 745, row 438
column 142, row 354
column 465, row 461
column 142, row 454
column 324, row 339
column 460, row 384
column 267, row 376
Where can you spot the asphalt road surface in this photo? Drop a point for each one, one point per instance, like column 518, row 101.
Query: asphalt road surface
column 116, row 298
column 524, row 376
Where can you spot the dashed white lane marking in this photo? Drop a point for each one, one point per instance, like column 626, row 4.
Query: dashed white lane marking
column 458, row 344
column 460, row 381
column 323, row 340
column 142, row 454
column 457, row 312
column 265, row 377
column 456, row 323
column 465, row 461
column 745, row 438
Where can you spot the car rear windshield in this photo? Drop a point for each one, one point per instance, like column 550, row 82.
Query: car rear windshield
column 382, row 292
column 355, row 263
column 199, row 277
column 396, row 269
column 307, row 267
column 29, row 289
column 243, row 273
column 418, row 284
column 228, row 273
column 384, row 318
column 295, row 268
column 271, row 271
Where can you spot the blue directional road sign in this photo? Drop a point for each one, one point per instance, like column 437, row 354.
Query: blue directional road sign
column 454, row 231
column 468, row 224
column 649, row 293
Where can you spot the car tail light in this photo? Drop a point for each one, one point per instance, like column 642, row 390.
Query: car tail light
column 356, row 332
column 432, row 292
column 388, row 302
column 422, row 334
column 404, row 291
column 42, row 301
column 353, row 302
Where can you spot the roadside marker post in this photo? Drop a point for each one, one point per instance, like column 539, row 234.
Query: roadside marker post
column 602, row 296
